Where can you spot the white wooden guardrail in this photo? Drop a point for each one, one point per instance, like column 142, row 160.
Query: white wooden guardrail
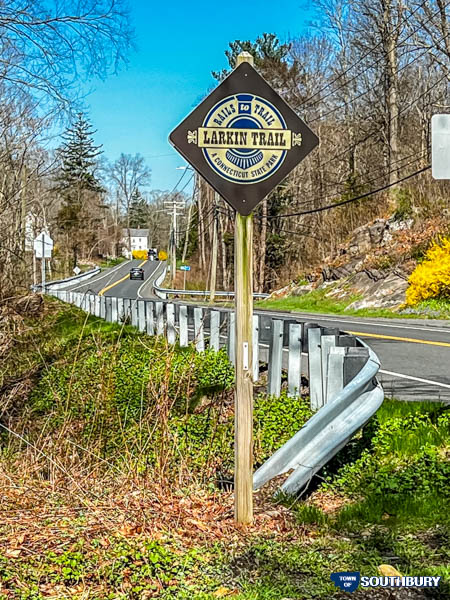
column 284, row 346
column 341, row 370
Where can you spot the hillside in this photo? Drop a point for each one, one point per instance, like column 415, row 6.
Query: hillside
column 115, row 474
column 373, row 268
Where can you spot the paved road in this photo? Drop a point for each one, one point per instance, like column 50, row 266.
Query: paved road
column 116, row 281
column 414, row 353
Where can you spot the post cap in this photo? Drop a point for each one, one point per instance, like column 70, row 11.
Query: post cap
column 244, row 57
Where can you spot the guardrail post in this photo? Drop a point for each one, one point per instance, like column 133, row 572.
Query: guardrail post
column 354, row 360
column 141, row 315
column 120, row 310
column 114, row 310
column 335, row 379
column 149, row 318
column 214, row 330
column 159, row 307
column 184, row 332
column 171, row 331
column 275, row 357
column 126, row 311
column 232, row 338
column 326, row 342
column 346, row 341
column 255, row 343
column 97, row 306
column 198, row 329
column 315, row 368
column 134, row 314
column 295, row 359
column 102, row 307
column 108, row 309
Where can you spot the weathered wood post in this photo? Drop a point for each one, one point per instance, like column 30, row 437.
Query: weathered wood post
column 243, row 281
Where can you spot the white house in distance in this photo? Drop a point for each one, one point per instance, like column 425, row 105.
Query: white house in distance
column 136, row 239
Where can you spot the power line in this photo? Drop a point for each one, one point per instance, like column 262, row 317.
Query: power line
column 355, row 199
column 178, row 182
column 416, row 160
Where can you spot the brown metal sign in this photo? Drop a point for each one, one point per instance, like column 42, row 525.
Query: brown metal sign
column 243, row 139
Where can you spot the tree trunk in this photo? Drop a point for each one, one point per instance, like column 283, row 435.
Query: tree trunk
column 262, row 249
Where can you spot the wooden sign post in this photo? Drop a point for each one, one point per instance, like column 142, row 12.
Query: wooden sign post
column 243, row 139
column 243, row 417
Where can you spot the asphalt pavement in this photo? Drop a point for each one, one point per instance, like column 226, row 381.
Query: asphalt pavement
column 414, row 353
column 116, row 281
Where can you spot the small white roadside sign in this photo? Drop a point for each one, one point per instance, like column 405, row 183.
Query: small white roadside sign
column 43, row 245
column 440, row 146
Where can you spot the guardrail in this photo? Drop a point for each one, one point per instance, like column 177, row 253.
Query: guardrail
column 171, row 292
column 62, row 283
column 341, row 369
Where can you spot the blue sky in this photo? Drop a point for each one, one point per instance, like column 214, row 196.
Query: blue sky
column 178, row 45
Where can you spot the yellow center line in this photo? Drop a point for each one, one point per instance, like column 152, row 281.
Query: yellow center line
column 399, row 339
column 108, row 287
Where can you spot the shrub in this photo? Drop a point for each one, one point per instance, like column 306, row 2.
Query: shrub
column 431, row 278
column 408, row 456
column 139, row 254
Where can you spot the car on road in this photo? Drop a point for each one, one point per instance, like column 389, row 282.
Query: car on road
column 137, row 273
column 152, row 254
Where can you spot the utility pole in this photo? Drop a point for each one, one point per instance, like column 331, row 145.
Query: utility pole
column 243, row 285
column 174, row 244
column 214, row 251
column 173, row 206
column 43, row 266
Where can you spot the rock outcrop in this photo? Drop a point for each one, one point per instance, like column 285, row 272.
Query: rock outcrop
column 365, row 267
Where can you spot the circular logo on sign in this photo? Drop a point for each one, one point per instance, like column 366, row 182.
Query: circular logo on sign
column 244, row 138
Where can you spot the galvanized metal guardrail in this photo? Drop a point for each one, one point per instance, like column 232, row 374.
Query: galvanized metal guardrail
column 62, row 283
column 341, row 370
column 204, row 293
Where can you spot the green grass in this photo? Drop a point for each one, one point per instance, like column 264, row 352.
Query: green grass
column 95, row 386
column 317, row 301
column 112, row 262
column 440, row 306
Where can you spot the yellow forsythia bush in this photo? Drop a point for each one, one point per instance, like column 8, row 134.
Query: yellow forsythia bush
column 139, row 254
column 431, row 278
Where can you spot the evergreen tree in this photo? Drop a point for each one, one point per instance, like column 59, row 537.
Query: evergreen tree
column 79, row 157
column 79, row 187
column 139, row 210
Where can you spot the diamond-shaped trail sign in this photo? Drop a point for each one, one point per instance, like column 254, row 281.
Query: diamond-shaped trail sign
column 243, row 139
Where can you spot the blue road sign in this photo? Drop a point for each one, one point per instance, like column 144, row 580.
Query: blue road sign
column 185, row 268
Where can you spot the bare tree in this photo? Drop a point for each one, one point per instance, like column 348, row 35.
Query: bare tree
column 49, row 47
column 128, row 174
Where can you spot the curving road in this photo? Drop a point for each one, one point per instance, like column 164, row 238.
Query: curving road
column 415, row 353
column 116, row 281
